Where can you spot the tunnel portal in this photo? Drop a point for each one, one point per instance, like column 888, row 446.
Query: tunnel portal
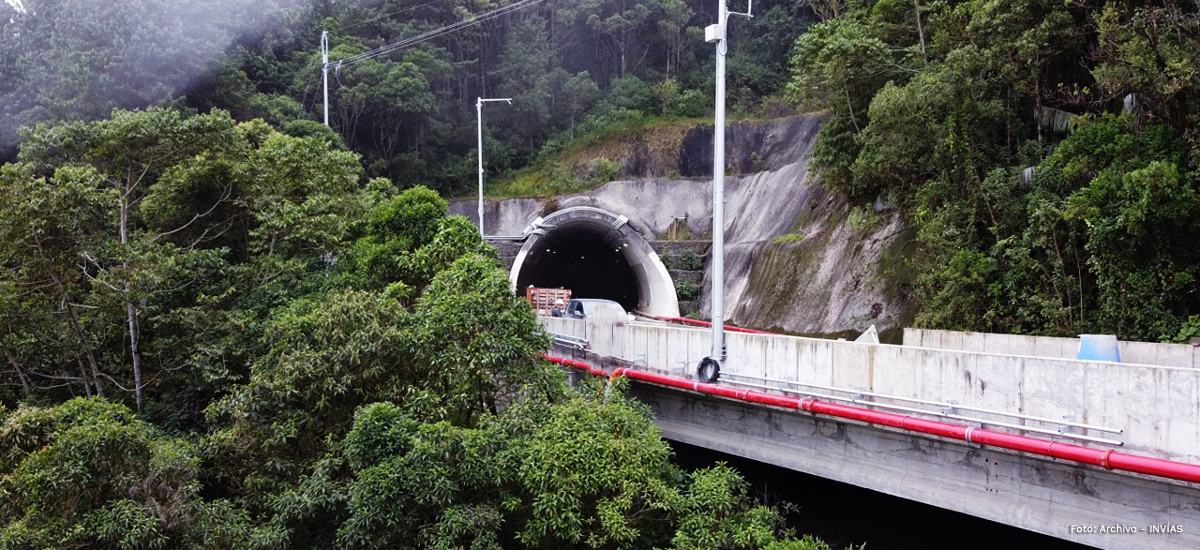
column 595, row 254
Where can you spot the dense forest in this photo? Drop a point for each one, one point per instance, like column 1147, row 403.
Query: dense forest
column 571, row 66
column 222, row 336
column 1046, row 152
column 226, row 325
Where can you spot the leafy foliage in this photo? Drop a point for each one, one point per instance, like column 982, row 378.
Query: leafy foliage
column 87, row 473
column 687, row 290
column 577, row 473
column 129, row 236
column 332, row 364
column 690, row 261
column 1038, row 208
column 366, row 375
column 571, row 66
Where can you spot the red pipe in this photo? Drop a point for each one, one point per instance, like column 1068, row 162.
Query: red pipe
column 1105, row 458
column 686, row 321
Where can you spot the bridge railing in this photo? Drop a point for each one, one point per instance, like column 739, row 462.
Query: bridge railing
column 1157, row 407
column 1144, row 353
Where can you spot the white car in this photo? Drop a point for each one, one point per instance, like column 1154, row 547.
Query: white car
column 582, row 308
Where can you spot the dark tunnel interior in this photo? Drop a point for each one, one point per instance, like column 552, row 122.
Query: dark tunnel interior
column 579, row 258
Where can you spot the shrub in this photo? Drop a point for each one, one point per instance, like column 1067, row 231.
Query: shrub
column 789, row 238
column 690, row 261
column 687, row 291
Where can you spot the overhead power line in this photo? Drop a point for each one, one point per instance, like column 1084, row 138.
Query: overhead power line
column 498, row 12
column 377, row 18
column 326, row 65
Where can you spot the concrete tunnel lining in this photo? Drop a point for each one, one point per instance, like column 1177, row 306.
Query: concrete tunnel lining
column 596, row 254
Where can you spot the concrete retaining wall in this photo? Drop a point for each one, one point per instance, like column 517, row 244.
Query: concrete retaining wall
column 1157, row 407
column 1146, row 353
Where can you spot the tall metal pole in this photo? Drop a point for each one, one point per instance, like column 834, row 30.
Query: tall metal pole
column 479, row 133
column 325, row 71
column 717, row 271
column 710, row 367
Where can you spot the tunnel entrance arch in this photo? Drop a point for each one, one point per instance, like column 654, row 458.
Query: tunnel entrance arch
column 595, row 254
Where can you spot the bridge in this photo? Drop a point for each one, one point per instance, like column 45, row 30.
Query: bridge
column 1008, row 428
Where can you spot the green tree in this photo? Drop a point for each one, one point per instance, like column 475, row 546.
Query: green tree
column 1151, row 53
column 143, row 224
column 578, row 93
column 621, row 21
column 580, row 472
column 72, row 61
column 524, row 71
column 86, row 473
column 44, row 227
column 465, row 347
column 839, row 65
column 672, row 21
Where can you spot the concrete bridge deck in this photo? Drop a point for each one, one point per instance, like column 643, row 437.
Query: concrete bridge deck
column 1142, row 410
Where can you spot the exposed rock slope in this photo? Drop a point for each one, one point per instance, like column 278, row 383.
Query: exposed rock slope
column 798, row 259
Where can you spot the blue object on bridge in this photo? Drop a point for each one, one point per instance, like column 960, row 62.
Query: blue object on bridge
column 1098, row 347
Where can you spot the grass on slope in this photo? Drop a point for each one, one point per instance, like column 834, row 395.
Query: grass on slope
column 594, row 159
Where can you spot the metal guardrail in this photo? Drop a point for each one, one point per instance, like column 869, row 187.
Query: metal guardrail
column 1108, row 459
column 946, row 409
column 949, row 410
column 573, row 342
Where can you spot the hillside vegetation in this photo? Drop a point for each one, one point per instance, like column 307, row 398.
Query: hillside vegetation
column 220, row 336
column 1046, row 152
column 226, row 325
column 572, row 67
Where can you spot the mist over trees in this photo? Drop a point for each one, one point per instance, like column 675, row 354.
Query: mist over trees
column 572, row 67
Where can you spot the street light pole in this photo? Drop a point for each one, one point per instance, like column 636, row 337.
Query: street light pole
column 718, row 188
column 479, row 133
column 325, row 71
column 717, row 34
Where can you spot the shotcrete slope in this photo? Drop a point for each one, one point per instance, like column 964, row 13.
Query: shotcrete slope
column 841, row 271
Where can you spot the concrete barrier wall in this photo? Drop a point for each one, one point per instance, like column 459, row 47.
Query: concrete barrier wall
column 1158, row 407
column 1145, row 353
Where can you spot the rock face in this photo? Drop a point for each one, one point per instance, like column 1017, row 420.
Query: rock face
column 844, row 270
column 797, row 258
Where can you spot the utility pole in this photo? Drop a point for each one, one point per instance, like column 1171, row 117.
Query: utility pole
column 325, row 71
column 479, row 101
column 710, row 367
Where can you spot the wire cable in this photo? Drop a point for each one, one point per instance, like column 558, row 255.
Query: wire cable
column 391, row 14
column 435, row 33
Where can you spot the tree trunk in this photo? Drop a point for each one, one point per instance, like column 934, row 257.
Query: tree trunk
column 920, row 29
column 12, row 360
column 87, row 386
column 133, row 348
column 78, row 329
column 130, row 312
